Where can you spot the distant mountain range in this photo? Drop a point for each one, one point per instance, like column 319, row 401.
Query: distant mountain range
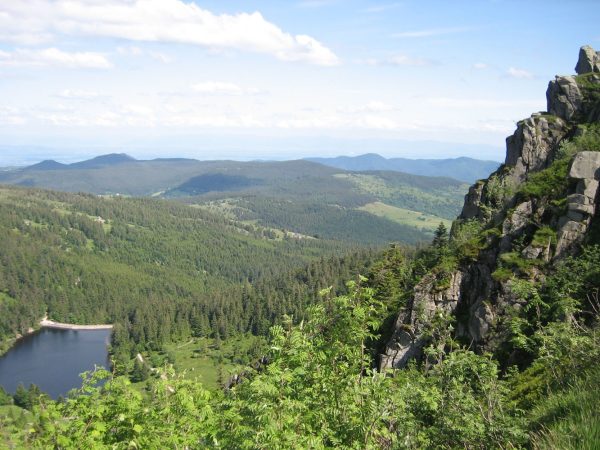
column 120, row 173
column 94, row 163
column 301, row 196
column 463, row 168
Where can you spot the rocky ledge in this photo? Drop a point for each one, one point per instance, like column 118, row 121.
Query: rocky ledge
column 473, row 292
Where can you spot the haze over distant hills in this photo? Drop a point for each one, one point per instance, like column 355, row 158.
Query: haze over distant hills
column 463, row 168
column 94, row 163
column 300, row 196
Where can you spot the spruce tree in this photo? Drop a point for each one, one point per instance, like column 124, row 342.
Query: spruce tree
column 440, row 240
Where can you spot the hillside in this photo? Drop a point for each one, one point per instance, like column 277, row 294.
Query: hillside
column 518, row 280
column 463, row 168
column 160, row 269
column 517, row 227
column 490, row 335
column 317, row 201
column 300, row 196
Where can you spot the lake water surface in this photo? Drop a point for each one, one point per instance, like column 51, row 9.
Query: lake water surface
column 53, row 359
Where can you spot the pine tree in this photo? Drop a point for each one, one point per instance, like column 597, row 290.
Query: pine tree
column 440, row 240
column 21, row 397
column 140, row 371
column 5, row 398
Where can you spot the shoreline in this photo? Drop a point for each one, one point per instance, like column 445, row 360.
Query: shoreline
column 45, row 323
column 7, row 344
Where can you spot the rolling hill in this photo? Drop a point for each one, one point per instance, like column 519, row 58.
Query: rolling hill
column 85, row 259
column 297, row 196
column 463, row 168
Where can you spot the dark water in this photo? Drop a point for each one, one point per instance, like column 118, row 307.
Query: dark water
column 53, row 359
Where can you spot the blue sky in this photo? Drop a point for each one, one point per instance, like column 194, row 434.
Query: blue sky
column 278, row 79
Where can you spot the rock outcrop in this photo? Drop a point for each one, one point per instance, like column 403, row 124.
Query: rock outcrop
column 564, row 97
column 477, row 293
column 589, row 60
column 581, row 205
column 533, row 145
column 411, row 325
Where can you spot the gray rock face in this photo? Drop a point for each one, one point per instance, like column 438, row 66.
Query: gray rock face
column 564, row 97
column 481, row 317
column 587, row 188
column 534, row 144
column 581, row 205
column 585, row 166
column 518, row 219
column 514, row 224
column 589, row 60
column 484, row 299
column 408, row 339
column 570, row 234
column 472, row 206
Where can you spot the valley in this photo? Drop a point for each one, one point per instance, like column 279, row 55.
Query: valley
column 299, row 225
column 299, row 196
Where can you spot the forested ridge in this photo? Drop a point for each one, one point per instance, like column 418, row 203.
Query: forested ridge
column 158, row 269
column 300, row 196
column 487, row 338
column 320, row 388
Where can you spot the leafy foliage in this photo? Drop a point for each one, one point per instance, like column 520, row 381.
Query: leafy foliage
column 319, row 390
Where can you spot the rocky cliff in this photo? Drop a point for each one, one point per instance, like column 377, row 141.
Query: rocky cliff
column 536, row 209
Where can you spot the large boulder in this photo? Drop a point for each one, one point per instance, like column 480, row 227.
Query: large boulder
column 589, row 60
column 585, row 166
column 564, row 97
column 581, row 205
column 533, row 145
column 472, row 206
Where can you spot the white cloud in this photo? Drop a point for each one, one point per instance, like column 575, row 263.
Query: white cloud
column 468, row 103
column 397, row 60
column 431, row 32
column 514, row 72
column 405, row 60
column 480, row 66
column 55, row 58
column 222, row 88
column 368, row 61
column 158, row 21
column 77, row 94
column 378, row 123
column 132, row 50
column 324, row 120
column 214, row 121
column 371, row 107
column 138, row 110
column 161, row 57
column 11, row 116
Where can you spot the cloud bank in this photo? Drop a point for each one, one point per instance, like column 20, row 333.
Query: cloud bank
column 33, row 22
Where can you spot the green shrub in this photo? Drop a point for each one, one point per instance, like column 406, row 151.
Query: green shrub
column 548, row 183
column 467, row 239
column 544, row 236
column 590, row 90
column 515, row 261
column 502, row 274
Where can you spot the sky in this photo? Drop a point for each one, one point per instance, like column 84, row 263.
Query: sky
column 278, row 79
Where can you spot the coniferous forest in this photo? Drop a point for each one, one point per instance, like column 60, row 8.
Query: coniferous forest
column 317, row 384
column 158, row 270
column 485, row 337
